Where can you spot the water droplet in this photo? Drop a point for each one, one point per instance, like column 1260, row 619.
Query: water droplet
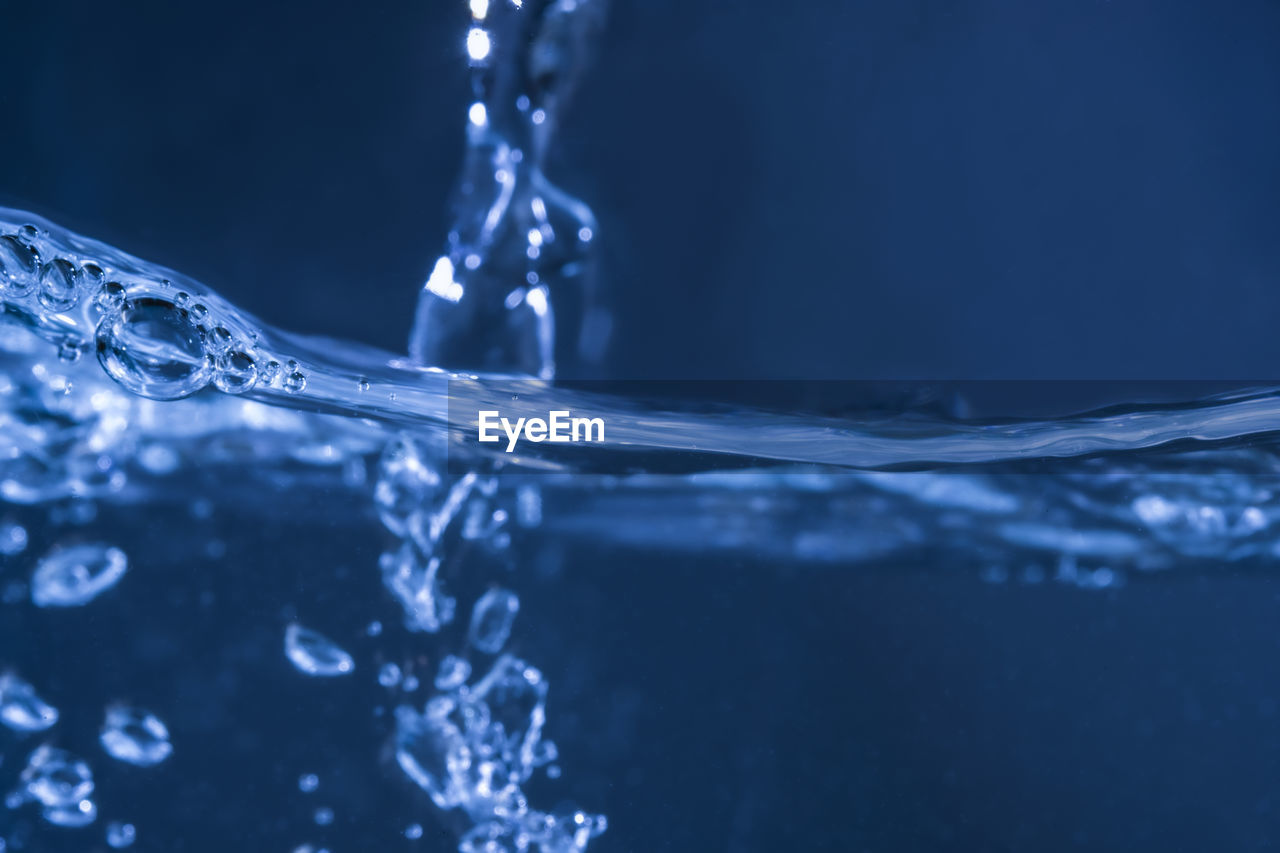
column 374, row 628
column 413, row 831
column 21, row 709
column 153, row 348
column 362, row 384
column 70, row 577
column 200, row 312
column 295, row 382
column 18, row 264
column 308, row 782
column 389, row 675
column 454, row 671
column 121, row 835
column 235, row 372
column 315, row 654
column 59, row 285
column 324, row 816
column 135, row 736
column 492, row 618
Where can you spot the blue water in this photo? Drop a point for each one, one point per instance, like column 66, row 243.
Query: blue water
column 261, row 590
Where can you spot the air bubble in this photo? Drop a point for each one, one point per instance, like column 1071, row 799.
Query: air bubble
column 315, row 654
column 121, row 835
column 73, row 816
column 21, row 709
column 308, row 782
column 235, row 372
column 219, row 339
column 18, row 264
column 55, row 778
column 454, row 671
column 13, row 538
column 295, row 382
column 135, row 737
column 270, row 372
column 110, row 297
column 492, row 618
column 59, row 285
column 70, row 350
column 153, row 349
column 71, row 577
column 389, row 675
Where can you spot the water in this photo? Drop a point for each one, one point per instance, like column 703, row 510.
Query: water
column 140, row 408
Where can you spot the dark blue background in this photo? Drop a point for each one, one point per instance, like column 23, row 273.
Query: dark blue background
column 820, row 189
column 826, row 189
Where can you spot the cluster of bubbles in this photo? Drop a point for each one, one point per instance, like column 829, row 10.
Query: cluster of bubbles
column 151, row 336
column 57, row 782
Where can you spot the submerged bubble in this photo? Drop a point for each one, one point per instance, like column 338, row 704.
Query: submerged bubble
column 13, row 539
column 323, row 816
column 70, row 350
column 454, row 671
column 70, row 577
column 389, row 675
column 121, row 835
column 59, row 285
column 153, row 348
column 21, row 709
column 73, row 816
column 315, row 654
column 56, row 778
column 135, row 737
column 235, row 372
column 492, row 618
column 18, row 264
column 308, row 782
